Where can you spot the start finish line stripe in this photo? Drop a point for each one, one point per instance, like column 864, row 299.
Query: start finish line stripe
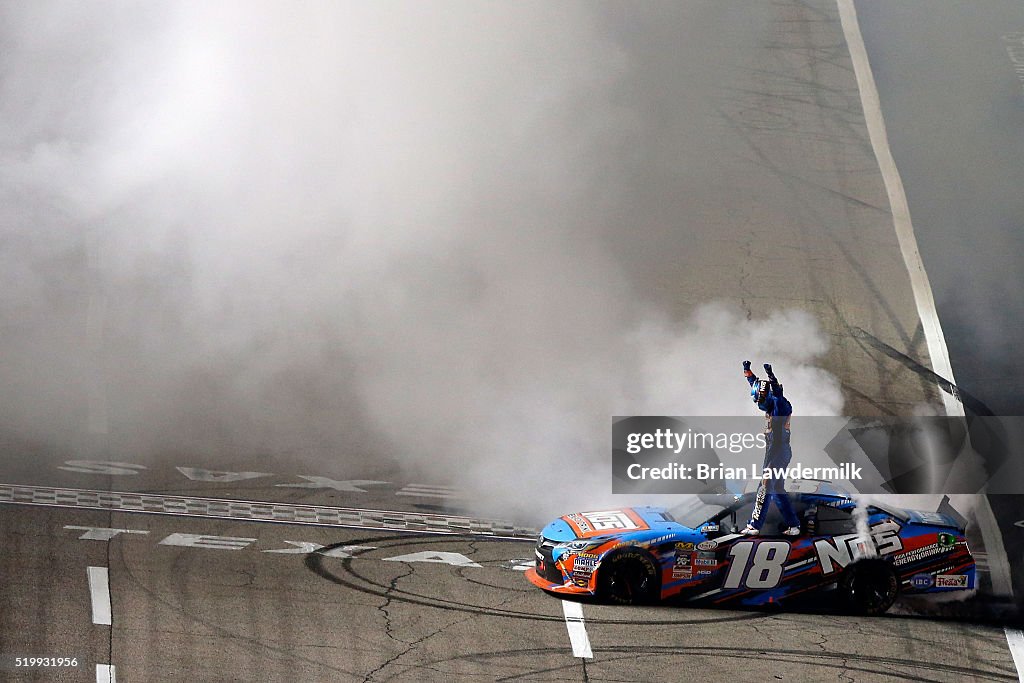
column 282, row 513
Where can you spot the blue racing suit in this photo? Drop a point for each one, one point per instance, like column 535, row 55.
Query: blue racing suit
column 777, row 412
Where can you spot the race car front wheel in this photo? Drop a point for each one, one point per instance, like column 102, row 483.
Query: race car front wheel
column 869, row 588
column 629, row 577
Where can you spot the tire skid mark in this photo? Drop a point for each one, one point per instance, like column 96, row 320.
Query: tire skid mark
column 253, row 643
column 840, row 661
column 363, row 584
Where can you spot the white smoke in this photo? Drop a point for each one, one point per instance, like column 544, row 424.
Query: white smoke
column 557, row 439
column 865, row 547
column 352, row 233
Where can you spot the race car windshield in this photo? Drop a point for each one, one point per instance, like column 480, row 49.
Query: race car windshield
column 695, row 510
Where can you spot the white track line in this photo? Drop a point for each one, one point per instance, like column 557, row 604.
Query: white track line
column 995, row 552
column 919, row 284
column 99, row 592
column 999, row 568
column 578, row 637
column 1015, row 639
column 105, row 673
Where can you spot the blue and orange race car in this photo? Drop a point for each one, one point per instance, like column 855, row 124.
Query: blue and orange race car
column 643, row 554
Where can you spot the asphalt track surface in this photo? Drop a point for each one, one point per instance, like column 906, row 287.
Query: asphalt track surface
column 195, row 598
column 964, row 194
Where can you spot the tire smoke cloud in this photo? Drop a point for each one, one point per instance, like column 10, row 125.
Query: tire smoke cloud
column 354, row 234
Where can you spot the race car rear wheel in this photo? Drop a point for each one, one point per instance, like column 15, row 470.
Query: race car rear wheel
column 869, row 588
column 629, row 577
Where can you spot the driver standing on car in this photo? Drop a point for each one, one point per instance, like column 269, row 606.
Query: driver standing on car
column 767, row 394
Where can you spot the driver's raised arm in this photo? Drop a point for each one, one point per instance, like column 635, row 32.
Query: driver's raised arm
column 751, row 377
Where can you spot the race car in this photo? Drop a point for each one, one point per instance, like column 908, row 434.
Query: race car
column 643, row 554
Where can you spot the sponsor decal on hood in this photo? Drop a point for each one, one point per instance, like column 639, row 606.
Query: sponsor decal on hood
column 604, row 522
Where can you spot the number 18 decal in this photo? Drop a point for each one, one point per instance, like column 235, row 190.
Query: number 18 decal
column 765, row 571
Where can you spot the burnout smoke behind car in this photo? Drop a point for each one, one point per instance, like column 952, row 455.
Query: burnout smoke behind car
column 357, row 233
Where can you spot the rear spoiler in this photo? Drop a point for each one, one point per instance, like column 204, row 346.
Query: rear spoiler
column 944, row 515
column 938, row 518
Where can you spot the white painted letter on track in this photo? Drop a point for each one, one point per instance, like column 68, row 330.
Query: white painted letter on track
column 456, row 559
column 201, row 541
column 100, row 533
column 305, row 548
column 102, row 467
column 199, row 474
column 348, row 485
